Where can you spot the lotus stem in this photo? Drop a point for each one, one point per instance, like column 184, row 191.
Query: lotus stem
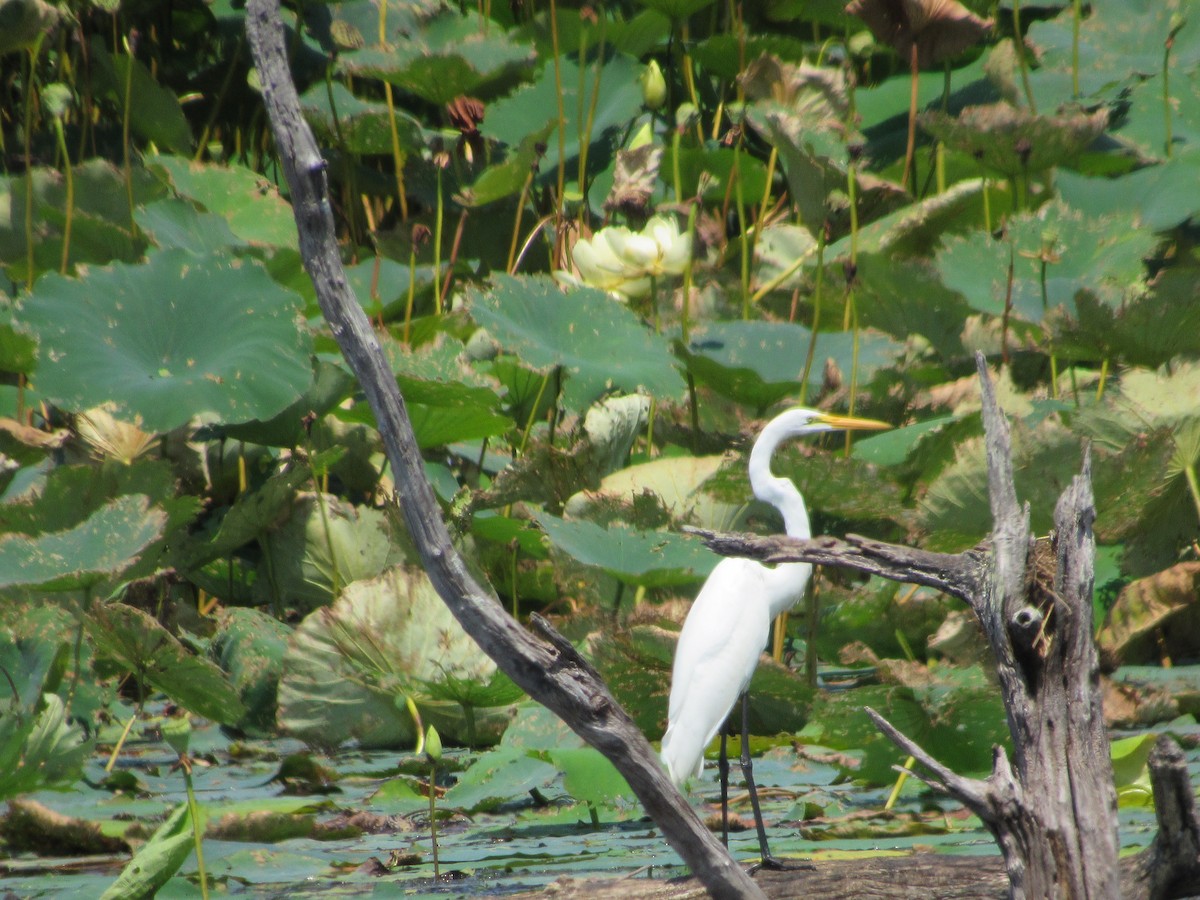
column 1022, row 62
column 397, row 153
column 1076, row 16
column 1103, row 379
column 185, row 763
column 69, row 174
column 903, row 777
column 909, row 178
column 562, row 115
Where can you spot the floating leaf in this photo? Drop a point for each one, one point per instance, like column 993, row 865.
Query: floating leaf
column 598, row 342
column 170, row 339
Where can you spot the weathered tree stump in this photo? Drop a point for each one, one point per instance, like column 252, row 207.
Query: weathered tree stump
column 1054, row 815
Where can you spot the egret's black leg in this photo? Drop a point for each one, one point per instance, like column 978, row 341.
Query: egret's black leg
column 723, row 772
column 768, row 861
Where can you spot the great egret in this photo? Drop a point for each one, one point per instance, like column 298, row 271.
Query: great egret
column 727, row 627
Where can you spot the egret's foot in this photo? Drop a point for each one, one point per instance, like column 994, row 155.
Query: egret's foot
column 774, row 864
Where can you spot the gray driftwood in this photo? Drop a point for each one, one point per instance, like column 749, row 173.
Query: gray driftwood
column 548, row 669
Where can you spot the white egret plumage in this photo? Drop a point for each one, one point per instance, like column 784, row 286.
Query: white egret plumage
column 728, row 625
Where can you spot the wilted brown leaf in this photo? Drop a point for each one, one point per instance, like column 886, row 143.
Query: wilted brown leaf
column 940, row 29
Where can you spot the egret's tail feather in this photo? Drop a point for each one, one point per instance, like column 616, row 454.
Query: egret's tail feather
column 683, row 755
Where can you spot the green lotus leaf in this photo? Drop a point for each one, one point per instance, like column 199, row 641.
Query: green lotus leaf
column 100, row 227
column 158, row 859
column 599, row 343
column 451, row 55
column 136, row 641
column 531, row 108
column 759, row 363
column 1073, row 253
column 106, row 543
column 171, row 339
column 350, row 667
column 39, row 747
column 174, row 223
column 645, row 558
column 153, row 110
column 246, row 200
column 249, row 646
column 500, row 776
column 364, row 127
column 324, row 545
column 1012, row 140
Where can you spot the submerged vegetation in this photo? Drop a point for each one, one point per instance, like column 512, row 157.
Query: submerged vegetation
column 598, row 245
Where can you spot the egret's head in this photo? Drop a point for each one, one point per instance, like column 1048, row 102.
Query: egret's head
column 801, row 420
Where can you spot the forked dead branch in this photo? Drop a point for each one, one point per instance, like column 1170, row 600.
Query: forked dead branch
column 1052, row 808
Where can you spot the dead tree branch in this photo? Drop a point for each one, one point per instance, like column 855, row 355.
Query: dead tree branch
column 554, row 675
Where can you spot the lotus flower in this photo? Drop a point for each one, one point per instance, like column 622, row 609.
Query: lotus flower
column 622, row 261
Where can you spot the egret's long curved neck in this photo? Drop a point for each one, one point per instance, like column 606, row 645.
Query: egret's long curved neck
column 779, row 492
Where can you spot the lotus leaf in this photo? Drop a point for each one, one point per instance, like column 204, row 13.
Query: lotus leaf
column 106, row 543
column 249, row 647
column 250, row 203
column 153, row 110
column 100, row 224
column 528, row 110
column 1054, row 253
column 170, row 339
column 1159, row 195
column 172, row 223
column 500, row 776
column 135, row 640
column 39, row 747
column 349, row 668
column 1154, row 617
column 451, row 55
column 157, row 860
column 598, row 343
column 324, row 545
column 760, row 363
column 647, row 558
column 361, row 126
column 1014, row 141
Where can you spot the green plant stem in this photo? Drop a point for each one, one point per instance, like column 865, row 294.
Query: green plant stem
column 903, row 777
column 818, row 294
column 412, row 292
column 1022, row 62
column 219, row 102
column 116, row 751
column 197, row 831
column 562, row 116
column 398, row 156
column 537, row 401
column 69, row 174
column 743, row 237
column 586, row 138
column 516, row 609
column 1168, row 138
column 126, row 115
column 30, row 74
column 1103, row 379
column 1193, row 485
column 335, row 574
column 438, row 222
column 676, row 172
column 510, row 267
column 433, row 818
column 909, row 178
column 1076, row 16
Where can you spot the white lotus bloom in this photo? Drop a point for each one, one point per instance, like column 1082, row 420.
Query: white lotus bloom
column 599, row 263
column 625, row 262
